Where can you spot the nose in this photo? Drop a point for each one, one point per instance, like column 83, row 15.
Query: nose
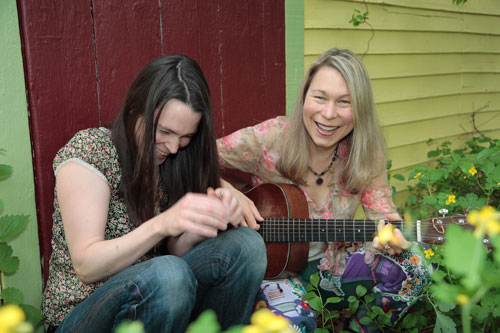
column 173, row 145
column 330, row 111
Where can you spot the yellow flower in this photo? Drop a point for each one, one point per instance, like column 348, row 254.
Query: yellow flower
column 269, row 322
column 487, row 220
column 462, row 299
column 417, row 175
column 252, row 329
column 10, row 316
column 473, row 170
column 451, row 199
column 428, row 253
column 386, row 235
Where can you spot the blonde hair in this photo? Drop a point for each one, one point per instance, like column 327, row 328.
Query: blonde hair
column 366, row 146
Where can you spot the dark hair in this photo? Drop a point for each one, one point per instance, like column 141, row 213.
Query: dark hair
column 193, row 168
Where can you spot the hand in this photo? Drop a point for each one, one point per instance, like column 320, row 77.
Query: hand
column 249, row 211
column 390, row 239
column 231, row 204
column 195, row 213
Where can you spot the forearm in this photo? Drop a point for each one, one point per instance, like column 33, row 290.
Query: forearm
column 180, row 245
column 103, row 258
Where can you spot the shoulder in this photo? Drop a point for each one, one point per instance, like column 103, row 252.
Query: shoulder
column 92, row 147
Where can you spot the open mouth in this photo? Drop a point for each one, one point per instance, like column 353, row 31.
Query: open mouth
column 326, row 128
column 161, row 153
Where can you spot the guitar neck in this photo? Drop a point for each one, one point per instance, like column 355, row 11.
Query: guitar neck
column 315, row 230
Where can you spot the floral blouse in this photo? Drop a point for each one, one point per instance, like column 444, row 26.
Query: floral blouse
column 257, row 149
column 93, row 149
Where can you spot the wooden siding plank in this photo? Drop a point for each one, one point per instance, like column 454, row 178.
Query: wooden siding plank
column 394, row 113
column 127, row 37
column 62, row 94
column 405, row 134
column 383, row 17
column 487, row 7
column 386, row 42
column 425, row 64
column 399, row 89
column 406, row 156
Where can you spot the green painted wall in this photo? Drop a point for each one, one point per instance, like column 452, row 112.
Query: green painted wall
column 294, row 48
column 18, row 192
column 432, row 64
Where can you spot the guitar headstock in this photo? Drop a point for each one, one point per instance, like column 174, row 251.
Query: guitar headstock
column 434, row 229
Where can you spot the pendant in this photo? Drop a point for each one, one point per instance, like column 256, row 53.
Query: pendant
column 319, row 181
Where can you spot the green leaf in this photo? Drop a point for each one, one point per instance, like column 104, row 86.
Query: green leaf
column 128, row 326
column 2, row 207
column 378, row 310
column 369, row 299
column 399, row 177
column 314, row 279
column 316, row 304
column 332, row 300
column 465, row 254
column 444, row 306
column 12, row 296
column 351, row 299
column 309, row 295
column 332, row 315
column 430, row 200
column 321, row 330
column 8, row 263
column 353, row 306
column 33, row 315
column 409, row 321
column 11, row 225
column 206, row 322
column 444, row 324
column 360, row 290
column 5, row 171
column 365, row 320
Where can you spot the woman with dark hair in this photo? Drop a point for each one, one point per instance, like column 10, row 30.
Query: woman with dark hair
column 333, row 149
column 139, row 214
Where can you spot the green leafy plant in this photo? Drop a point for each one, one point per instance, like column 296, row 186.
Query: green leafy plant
column 458, row 180
column 464, row 295
column 318, row 304
column 358, row 18
column 10, row 227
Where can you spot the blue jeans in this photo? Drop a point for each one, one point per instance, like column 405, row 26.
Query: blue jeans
column 222, row 273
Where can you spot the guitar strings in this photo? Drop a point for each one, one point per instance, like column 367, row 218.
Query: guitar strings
column 346, row 229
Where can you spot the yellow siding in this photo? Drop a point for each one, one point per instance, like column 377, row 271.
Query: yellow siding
column 432, row 64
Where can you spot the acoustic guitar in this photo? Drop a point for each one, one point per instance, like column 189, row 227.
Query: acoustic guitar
column 287, row 229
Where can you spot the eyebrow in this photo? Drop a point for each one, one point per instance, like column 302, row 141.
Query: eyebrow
column 324, row 93
column 172, row 131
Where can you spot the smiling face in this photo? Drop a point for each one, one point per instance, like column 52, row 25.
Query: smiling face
column 177, row 124
column 327, row 114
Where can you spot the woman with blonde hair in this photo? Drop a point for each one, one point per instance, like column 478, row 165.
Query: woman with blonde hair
column 332, row 148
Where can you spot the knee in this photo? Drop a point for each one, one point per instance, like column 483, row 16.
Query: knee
column 172, row 278
column 252, row 249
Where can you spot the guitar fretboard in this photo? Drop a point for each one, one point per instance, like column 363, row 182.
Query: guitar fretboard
column 285, row 229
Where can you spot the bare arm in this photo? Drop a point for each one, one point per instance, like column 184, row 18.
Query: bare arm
column 84, row 199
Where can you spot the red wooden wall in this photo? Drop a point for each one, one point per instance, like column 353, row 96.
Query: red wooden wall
column 80, row 57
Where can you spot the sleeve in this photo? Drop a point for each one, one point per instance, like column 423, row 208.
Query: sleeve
column 253, row 149
column 92, row 149
column 377, row 198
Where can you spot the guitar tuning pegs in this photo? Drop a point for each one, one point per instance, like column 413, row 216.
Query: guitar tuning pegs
column 443, row 211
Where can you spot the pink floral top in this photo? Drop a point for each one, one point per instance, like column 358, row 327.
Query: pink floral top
column 256, row 150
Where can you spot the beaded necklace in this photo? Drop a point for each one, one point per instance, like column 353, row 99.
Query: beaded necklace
column 319, row 180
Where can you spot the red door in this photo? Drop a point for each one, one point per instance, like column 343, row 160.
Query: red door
column 80, row 57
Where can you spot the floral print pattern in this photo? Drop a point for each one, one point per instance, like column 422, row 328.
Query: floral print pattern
column 94, row 149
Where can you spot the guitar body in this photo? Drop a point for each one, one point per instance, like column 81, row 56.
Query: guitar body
column 282, row 200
